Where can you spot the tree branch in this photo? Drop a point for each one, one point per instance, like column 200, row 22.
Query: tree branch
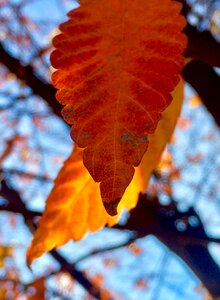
column 206, row 82
column 78, row 275
column 150, row 217
column 15, row 204
column 26, row 73
column 201, row 45
column 25, row 174
column 107, row 249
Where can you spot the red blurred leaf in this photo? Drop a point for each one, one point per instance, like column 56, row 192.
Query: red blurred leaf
column 37, row 289
column 135, row 249
column 196, row 158
column 141, row 284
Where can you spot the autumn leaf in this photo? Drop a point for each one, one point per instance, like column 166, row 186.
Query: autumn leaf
column 38, row 289
column 5, row 252
column 195, row 101
column 8, row 148
column 74, row 205
column 118, row 61
column 162, row 135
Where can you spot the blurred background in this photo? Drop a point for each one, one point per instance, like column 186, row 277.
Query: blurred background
column 181, row 259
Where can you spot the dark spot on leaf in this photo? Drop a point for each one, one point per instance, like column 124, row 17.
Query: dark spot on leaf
column 127, row 137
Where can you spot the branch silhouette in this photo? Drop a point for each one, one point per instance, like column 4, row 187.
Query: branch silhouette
column 148, row 217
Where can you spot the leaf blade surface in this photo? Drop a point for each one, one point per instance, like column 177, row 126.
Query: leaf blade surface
column 118, row 61
column 74, row 206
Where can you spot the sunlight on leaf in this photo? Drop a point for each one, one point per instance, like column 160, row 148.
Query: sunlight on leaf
column 74, row 205
column 118, row 61
column 162, row 135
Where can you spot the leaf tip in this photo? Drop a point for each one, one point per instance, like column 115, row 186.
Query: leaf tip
column 29, row 259
column 111, row 206
column 33, row 252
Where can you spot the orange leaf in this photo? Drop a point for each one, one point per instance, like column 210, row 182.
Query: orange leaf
column 118, row 62
column 162, row 135
column 74, row 206
column 195, row 101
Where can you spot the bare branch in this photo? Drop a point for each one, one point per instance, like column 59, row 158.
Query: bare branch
column 25, row 174
column 206, row 82
column 78, row 275
column 150, row 217
column 15, row 204
column 107, row 249
column 26, row 73
column 201, row 44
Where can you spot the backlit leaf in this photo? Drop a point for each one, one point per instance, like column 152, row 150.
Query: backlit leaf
column 162, row 135
column 117, row 62
column 74, row 205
